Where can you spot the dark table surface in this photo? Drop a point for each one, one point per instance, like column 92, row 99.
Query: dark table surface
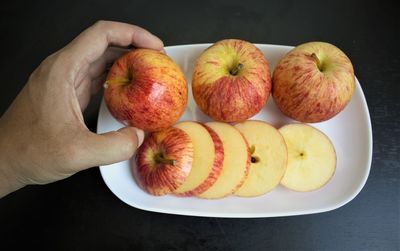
column 81, row 212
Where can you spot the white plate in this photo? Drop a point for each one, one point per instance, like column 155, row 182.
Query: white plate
column 350, row 132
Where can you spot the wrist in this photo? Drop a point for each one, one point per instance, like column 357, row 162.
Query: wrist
column 9, row 181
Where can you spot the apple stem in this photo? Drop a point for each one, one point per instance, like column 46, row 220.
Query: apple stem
column 235, row 70
column 123, row 81
column 160, row 159
column 317, row 61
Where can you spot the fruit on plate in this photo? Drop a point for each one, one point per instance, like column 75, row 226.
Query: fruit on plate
column 313, row 82
column 235, row 166
column 311, row 157
column 231, row 80
column 146, row 89
column 164, row 161
column 268, row 158
column 208, row 157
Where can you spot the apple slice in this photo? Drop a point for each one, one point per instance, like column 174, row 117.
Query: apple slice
column 311, row 157
column 164, row 161
column 268, row 158
column 235, row 166
column 208, row 157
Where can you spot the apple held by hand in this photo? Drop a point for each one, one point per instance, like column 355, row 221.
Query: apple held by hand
column 164, row 161
column 313, row 82
column 231, row 80
column 146, row 89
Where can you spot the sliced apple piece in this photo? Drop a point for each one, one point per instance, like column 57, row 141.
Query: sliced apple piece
column 311, row 157
column 236, row 162
column 164, row 161
column 268, row 158
column 208, row 157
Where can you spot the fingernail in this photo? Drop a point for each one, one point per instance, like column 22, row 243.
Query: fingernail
column 154, row 40
column 140, row 136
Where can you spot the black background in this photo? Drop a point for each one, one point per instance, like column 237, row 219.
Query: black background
column 81, row 213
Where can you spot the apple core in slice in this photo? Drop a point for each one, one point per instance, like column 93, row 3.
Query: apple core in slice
column 164, row 161
column 236, row 162
column 268, row 158
column 311, row 157
column 208, row 157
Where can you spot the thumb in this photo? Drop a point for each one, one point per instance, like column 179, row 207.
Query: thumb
column 110, row 147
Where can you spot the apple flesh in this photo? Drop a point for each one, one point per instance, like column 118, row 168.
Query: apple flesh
column 164, row 161
column 231, row 80
column 146, row 89
column 313, row 82
column 236, row 163
column 207, row 158
column 268, row 158
column 311, row 157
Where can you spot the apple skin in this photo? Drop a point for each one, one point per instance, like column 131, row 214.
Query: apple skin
column 146, row 89
column 216, row 168
column 307, row 93
column 229, row 97
column 160, row 178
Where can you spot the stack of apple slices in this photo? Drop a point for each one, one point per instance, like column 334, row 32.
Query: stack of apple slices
column 249, row 159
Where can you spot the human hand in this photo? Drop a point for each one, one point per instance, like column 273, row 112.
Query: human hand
column 43, row 137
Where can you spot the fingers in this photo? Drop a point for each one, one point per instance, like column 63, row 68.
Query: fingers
column 99, row 66
column 92, row 43
column 108, row 148
column 98, row 69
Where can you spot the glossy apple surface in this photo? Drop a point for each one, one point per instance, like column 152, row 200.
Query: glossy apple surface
column 146, row 89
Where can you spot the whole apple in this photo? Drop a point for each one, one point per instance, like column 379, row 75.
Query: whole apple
column 313, row 82
column 231, row 81
column 146, row 89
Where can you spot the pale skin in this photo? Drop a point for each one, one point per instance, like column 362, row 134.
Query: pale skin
column 43, row 137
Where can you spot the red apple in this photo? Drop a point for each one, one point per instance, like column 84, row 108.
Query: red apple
column 231, row 80
column 146, row 89
column 313, row 82
column 164, row 161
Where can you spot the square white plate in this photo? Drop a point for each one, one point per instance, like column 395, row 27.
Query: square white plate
column 350, row 132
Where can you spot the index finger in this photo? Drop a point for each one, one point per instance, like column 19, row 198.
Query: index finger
column 92, row 43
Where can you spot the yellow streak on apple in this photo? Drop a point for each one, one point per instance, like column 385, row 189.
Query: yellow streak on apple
column 332, row 60
column 217, row 66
